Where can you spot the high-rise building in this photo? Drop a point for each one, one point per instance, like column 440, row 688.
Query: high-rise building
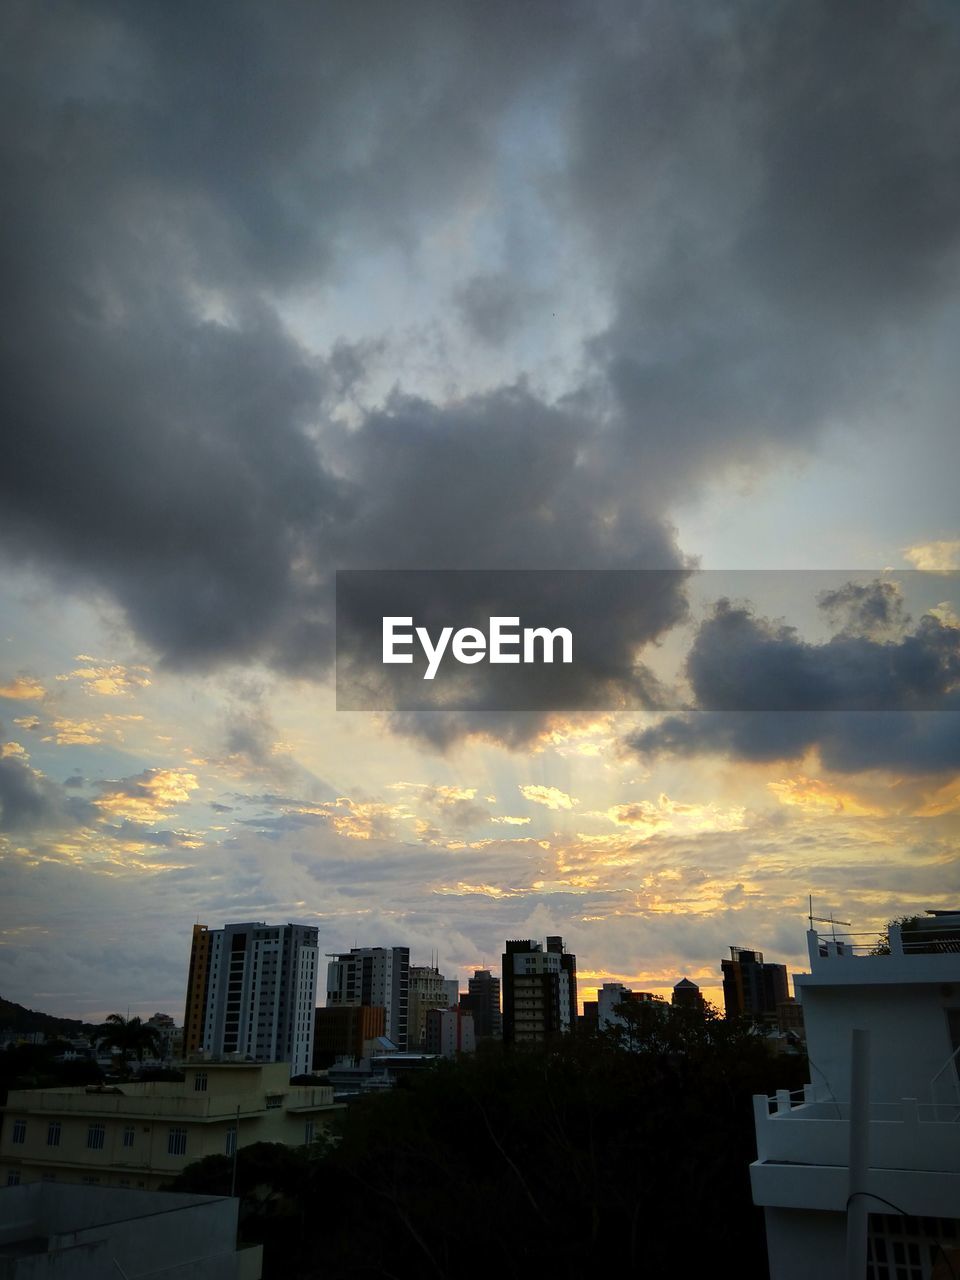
column 374, row 976
column 751, row 987
column 195, row 1012
column 429, row 989
column 449, row 1032
column 252, row 993
column 686, row 995
column 539, row 991
column 483, row 1001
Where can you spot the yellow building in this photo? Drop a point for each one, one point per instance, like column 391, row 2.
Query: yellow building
column 143, row 1135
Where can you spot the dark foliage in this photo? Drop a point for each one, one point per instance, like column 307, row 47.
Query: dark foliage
column 583, row 1158
column 35, row 1066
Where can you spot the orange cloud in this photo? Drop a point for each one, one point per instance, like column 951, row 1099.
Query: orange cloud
column 550, row 797
column 937, row 557
column 149, row 797
column 23, row 689
column 816, row 796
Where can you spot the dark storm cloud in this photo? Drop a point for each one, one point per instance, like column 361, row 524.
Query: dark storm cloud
column 863, row 703
column 775, row 189
column 29, row 801
column 769, row 191
column 493, row 306
column 871, row 609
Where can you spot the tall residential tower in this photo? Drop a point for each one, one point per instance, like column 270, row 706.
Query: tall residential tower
column 377, row 976
column 252, row 993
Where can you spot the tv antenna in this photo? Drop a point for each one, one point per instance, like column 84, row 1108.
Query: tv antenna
column 826, row 920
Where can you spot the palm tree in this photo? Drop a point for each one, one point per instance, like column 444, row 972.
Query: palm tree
column 130, row 1037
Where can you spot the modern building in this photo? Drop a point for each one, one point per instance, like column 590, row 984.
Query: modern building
column 751, row 987
column 251, row 993
column 346, row 1031
column 198, row 977
column 610, row 996
column 482, row 999
column 86, row 1233
column 449, row 1032
column 374, row 976
column 686, row 995
column 539, row 991
column 861, row 1175
column 143, row 1135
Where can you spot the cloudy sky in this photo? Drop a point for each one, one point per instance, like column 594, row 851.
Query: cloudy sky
column 300, row 287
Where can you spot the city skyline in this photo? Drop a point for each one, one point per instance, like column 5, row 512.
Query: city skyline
column 303, row 289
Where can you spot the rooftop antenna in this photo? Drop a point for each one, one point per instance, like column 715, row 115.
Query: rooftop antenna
column 826, row 920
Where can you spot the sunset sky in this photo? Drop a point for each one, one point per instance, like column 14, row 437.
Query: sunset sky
column 301, row 287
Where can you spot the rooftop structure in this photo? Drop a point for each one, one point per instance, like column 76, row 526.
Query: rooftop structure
column 861, row 1173
column 143, row 1135
column 84, row 1233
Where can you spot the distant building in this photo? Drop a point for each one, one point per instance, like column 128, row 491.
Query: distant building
column 790, row 1019
column 376, row 1074
column 751, row 987
column 482, row 999
column 251, row 992
column 686, row 995
column 610, row 996
column 346, row 1031
column 169, row 1034
column 539, row 991
column 77, row 1233
column 449, row 1032
column 374, row 976
column 899, row 1206
column 429, row 989
column 588, row 1021
column 143, row 1135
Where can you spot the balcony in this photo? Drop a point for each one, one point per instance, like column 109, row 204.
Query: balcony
column 803, row 1151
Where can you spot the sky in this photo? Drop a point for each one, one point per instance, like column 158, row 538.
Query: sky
column 301, row 287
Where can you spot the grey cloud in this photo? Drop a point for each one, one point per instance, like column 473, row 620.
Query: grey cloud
column 494, row 306
column 775, row 194
column 29, row 800
column 768, row 194
column 766, row 694
column 870, row 609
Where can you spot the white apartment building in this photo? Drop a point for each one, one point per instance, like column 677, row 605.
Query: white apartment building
column 861, row 1175
column 252, row 993
column 378, row 976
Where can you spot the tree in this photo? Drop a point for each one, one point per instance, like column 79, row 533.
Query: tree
column 919, row 933
column 130, row 1037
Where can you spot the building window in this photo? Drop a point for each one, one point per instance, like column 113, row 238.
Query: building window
column 90, row 1182
column 53, row 1133
column 48, row 1177
column 19, row 1131
column 13, row 1178
column 231, row 1143
column 128, row 1134
column 274, row 1101
column 95, row 1136
column 200, row 1082
column 177, row 1142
